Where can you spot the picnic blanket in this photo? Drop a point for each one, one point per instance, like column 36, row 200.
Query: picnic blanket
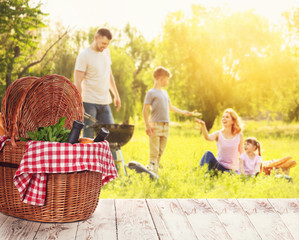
column 41, row 158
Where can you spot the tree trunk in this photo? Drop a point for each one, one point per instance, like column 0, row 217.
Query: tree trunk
column 9, row 72
column 209, row 115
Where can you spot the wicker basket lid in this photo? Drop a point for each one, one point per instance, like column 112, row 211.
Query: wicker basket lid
column 12, row 100
column 43, row 101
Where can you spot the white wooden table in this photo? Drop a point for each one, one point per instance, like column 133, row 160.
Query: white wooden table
column 135, row 219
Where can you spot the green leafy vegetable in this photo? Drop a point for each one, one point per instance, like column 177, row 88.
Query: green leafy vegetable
column 54, row 133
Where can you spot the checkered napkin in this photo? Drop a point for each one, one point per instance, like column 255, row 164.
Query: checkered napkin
column 41, row 158
column 3, row 140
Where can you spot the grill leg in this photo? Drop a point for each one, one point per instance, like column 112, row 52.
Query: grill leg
column 123, row 161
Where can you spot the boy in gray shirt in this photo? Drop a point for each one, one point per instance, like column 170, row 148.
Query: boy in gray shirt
column 156, row 128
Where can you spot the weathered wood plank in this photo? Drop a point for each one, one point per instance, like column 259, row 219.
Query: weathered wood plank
column 170, row 220
column 265, row 219
column 2, row 219
column 57, row 231
column 234, row 219
column 133, row 220
column 18, row 229
column 288, row 210
column 101, row 225
column 203, row 220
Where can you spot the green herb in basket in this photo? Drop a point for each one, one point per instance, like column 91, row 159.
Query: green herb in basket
column 54, row 133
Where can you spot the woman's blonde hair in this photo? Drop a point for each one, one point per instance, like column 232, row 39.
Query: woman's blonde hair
column 237, row 125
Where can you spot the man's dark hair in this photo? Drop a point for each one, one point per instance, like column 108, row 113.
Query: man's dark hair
column 104, row 32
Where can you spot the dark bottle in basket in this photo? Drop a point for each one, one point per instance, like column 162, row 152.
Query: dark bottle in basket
column 75, row 132
column 102, row 135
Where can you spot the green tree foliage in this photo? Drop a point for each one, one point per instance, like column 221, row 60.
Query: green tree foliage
column 55, row 54
column 218, row 59
column 291, row 94
column 19, row 22
column 61, row 60
column 142, row 53
column 123, row 68
column 221, row 59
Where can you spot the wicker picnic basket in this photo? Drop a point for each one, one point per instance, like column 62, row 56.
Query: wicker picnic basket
column 11, row 104
column 28, row 104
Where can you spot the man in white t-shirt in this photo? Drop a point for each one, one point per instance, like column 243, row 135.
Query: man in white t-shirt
column 94, row 79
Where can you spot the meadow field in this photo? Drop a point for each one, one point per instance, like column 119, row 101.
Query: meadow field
column 181, row 177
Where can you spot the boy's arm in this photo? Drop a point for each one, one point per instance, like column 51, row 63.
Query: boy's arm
column 149, row 131
column 176, row 110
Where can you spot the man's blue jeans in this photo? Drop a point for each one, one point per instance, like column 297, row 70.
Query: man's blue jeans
column 209, row 158
column 100, row 112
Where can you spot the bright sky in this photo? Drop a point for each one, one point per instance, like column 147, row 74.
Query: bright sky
column 146, row 15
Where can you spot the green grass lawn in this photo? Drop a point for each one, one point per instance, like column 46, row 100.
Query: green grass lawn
column 181, row 176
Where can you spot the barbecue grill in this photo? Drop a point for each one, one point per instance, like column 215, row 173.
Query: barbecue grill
column 119, row 135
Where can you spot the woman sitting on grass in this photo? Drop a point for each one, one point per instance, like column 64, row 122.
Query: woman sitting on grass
column 229, row 143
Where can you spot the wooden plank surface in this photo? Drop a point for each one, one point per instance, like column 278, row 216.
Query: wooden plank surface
column 265, row 219
column 101, row 225
column 233, row 218
column 288, row 210
column 18, row 229
column 2, row 219
column 133, row 220
column 203, row 220
column 176, row 219
column 58, row 231
column 170, row 220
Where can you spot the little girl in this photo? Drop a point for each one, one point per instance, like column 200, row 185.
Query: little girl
column 250, row 162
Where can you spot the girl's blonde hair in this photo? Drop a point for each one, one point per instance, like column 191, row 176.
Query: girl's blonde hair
column 237, row 125
column 254, row 142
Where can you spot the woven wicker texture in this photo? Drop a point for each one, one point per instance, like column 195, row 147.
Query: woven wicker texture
column 50, row 98
column 12, row 101
column 42, row 102
column 28, row 104
column 70, row 197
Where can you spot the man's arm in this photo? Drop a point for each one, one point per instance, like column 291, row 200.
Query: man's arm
column 78, row 78
column 114, row 91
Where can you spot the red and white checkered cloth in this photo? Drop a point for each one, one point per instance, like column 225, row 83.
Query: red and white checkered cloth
column 41, row 158
column 3, row 140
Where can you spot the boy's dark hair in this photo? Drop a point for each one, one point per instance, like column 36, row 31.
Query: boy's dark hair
column 161, row 72
column 104, row 32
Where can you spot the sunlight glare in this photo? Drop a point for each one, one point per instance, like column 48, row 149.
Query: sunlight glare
column 148, row 16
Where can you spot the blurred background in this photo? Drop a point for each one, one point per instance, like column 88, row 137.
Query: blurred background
column 239, row 54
